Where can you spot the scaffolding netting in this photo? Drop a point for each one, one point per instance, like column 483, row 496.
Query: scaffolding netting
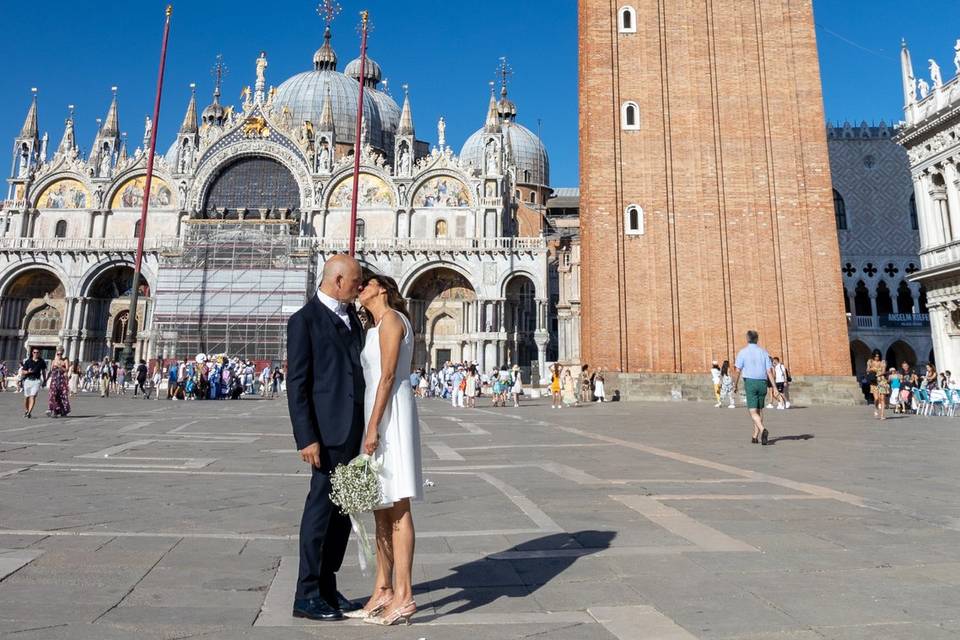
column 230, row 288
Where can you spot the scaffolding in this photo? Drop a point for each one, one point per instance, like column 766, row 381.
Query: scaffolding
column 229, row 287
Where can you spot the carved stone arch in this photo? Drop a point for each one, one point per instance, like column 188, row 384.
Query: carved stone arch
column 37, row 189
column 212, row 164
column 347, row 172
column 425, row 265
column 132, row 173
column 453, row 174
column 10, row 274
column 538, row 286
column 91, row 275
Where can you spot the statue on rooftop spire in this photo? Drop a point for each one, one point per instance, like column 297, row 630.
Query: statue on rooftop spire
column 442, row 133
column 935, row 74
column 956, row 56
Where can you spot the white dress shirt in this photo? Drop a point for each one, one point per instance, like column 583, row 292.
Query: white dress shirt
column 336, row 306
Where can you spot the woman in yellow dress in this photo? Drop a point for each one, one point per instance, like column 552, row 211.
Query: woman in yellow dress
column 879, row 386
column 555, row 385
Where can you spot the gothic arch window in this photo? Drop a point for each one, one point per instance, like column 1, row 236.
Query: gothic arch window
column 839, row 210
column 361, row 228
column 861, row 300
column 60, row 231
column 440, row 229
column 633, row 220
column 630, row 116
column 884, row 301
column 904, row 298
column 136, row 229
column 252, row 183
column 914, row 222
column 533, row 197
column 627, row 20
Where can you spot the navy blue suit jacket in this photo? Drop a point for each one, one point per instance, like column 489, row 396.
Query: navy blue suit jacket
column 324, row 376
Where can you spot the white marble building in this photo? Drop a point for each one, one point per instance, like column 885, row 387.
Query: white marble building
column 877, row 228
column 460, row 231
column 931, row 135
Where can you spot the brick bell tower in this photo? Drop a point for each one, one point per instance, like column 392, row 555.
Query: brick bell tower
column 706, row 203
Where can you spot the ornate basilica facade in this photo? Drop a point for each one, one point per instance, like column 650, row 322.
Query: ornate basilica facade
column 930, row 133
column 462, row 233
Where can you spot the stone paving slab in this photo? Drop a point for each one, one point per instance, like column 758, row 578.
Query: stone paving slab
column 614, row 522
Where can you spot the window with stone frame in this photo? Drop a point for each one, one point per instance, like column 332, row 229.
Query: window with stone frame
column 627, row 20
column 60, row 231
column 630, row 117
column 633, row 220
column 839, row 210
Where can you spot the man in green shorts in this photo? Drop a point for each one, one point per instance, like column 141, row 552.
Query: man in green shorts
column 756, row 368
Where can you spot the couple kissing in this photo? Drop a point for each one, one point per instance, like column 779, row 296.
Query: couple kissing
column 348, row 392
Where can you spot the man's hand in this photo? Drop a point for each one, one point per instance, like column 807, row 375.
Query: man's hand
column 311, row 454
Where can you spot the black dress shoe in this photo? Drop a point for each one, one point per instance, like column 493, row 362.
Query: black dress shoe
column 339, row 601
column 754, row 441
column 763, row 437
column 315, row 609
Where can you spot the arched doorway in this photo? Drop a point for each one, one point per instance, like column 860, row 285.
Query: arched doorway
column 108, row 309
column 32, row 309
column 521, row 320
column 859, row 354
column 440, row 302
column 900, row 352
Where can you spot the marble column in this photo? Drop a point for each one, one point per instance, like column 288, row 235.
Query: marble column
column 951, row 178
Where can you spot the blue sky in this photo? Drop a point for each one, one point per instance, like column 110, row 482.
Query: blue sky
column 446, row 51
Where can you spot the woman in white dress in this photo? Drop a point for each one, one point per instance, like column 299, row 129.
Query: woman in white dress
column 393, row 438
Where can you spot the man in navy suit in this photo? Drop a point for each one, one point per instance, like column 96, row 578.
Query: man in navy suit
column 325, row 394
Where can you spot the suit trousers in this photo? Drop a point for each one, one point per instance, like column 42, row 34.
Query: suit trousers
column 324, row 531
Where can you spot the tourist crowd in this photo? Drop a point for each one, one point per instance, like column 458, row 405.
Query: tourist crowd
column 203, row 378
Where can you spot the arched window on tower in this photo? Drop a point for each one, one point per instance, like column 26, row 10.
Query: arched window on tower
column 627, row 20
column 633, row 220
column 60, row 231
column 839, row 210
column 914, row 221
column 440, row 229
column 630, row 116
column 533, row 197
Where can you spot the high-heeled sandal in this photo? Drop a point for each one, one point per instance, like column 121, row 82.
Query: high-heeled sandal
column 363, row 614
column 400, row 615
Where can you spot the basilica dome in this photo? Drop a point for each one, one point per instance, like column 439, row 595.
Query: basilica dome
column 303, row 95
column 527, row 153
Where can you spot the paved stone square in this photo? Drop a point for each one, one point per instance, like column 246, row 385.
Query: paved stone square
column 156, row 519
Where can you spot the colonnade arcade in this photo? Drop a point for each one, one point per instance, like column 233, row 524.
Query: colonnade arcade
column 453, row 324
column 38, row 308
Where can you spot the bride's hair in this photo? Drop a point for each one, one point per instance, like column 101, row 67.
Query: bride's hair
column 394, row 300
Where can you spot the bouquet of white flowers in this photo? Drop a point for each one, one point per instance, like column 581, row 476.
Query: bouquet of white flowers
column 355, row 488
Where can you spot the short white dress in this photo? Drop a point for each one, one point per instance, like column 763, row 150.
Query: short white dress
column 401, row 469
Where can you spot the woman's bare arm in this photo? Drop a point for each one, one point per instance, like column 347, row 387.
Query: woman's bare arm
column 391, row 335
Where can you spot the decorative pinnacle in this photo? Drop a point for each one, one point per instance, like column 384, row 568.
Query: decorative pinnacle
column 329, row 10
column 114, row 89
column 218, row 71
column 169, row 10
column 364, row 17
column 504, row 71
column 33, row 90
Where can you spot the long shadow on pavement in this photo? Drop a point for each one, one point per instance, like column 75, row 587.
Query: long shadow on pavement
column 805, row 436
column 536, row 562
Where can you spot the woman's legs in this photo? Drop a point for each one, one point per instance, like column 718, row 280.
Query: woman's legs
column 882, row 405
column 383, row 583
column 403, row 546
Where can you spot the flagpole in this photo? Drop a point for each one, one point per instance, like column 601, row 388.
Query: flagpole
column 131, row 334
column 357, row 141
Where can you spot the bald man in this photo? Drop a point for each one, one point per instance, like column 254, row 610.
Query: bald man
column 325, row 394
